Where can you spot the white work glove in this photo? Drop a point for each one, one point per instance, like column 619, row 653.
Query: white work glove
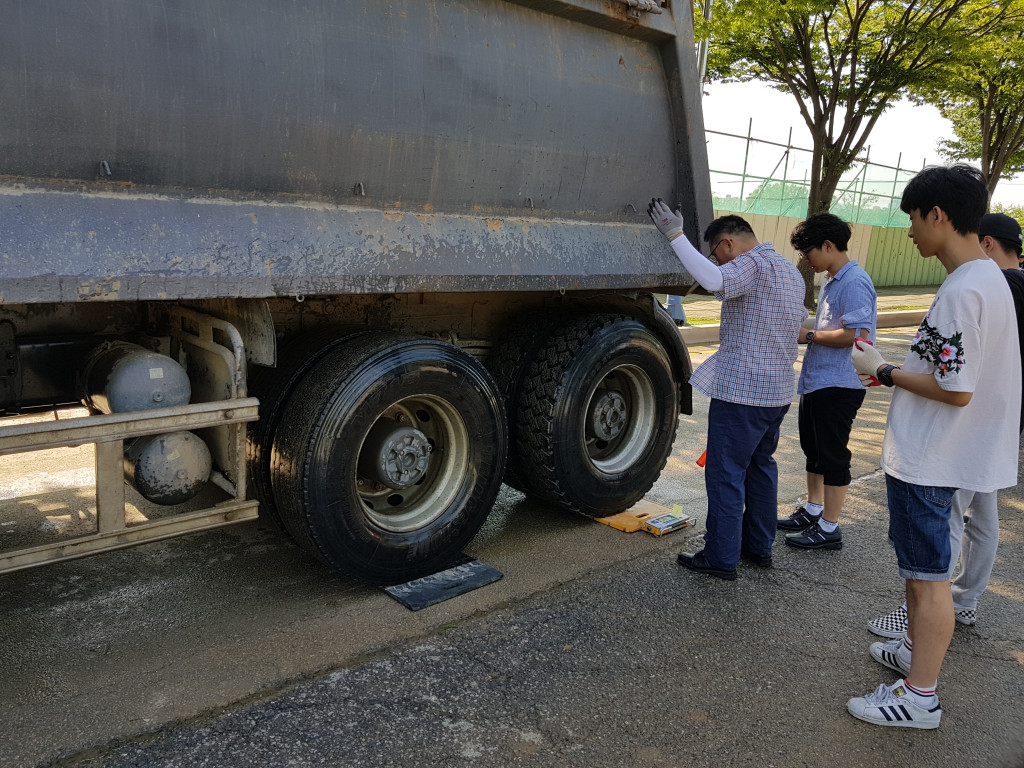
column 671, row 226
column 668, row 223
column 866, row 361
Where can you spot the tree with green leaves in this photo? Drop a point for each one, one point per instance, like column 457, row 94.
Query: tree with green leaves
column 843, row 62
column 983, row 96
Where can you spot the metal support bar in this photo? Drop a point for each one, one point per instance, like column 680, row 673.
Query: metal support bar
column 120, row 426
column 110, row 515
column 746, row 157
column 199, row 328
column 234, row 511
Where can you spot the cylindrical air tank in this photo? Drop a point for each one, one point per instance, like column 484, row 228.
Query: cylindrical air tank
column 121, row 377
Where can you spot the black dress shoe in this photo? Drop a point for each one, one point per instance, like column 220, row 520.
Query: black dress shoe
column 761, row 561
column 696, row 562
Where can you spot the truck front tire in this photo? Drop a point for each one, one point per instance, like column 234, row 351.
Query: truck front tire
column 389, row 455
column 273, row 387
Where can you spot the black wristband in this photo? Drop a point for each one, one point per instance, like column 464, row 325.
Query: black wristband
column 810, row 337
column 885, row 374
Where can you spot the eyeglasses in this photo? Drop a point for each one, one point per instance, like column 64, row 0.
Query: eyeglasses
column 805, row 255
column 712, row 254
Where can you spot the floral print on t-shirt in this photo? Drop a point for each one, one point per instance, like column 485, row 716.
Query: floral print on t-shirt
column 946, row 354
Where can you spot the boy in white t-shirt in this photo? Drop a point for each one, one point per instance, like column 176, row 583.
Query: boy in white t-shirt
column 952, row 424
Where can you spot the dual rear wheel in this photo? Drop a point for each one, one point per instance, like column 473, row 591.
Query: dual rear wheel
column 382, row 453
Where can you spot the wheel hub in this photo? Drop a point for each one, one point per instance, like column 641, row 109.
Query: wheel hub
column 609, row 415
column 395, row 455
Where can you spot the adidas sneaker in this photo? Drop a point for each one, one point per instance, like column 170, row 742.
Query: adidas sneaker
column 894, row 654
column 895, row 705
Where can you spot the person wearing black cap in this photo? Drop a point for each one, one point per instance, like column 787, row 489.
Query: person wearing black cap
column 974, row 522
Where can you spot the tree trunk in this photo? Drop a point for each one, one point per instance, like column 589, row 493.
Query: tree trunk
column 824, row 180
column 991, row 183
column 808, row 275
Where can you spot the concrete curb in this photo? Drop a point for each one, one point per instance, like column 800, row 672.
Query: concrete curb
column 708, row 334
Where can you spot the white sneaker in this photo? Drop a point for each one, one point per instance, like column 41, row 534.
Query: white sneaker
column 894, row 654
column 895, row 705
column 891, row 625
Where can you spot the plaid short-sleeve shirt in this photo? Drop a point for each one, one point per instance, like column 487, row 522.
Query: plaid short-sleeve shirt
column 762, row 308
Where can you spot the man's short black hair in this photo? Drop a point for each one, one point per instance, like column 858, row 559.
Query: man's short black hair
column 727, row 225
column 959, row 190
column 1004, row 229
column 1009, row 246
column 816, row 229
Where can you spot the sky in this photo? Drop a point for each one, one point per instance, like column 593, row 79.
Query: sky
column 905, row 133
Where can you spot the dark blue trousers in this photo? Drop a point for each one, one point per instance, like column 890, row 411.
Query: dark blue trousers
column 742, row 481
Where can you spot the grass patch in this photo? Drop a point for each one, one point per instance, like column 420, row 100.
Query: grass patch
column 702, row 320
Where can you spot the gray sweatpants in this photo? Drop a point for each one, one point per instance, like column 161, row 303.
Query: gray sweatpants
column 974, row 543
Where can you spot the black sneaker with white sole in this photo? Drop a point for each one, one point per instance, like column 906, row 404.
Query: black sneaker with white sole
column 798, row 521
column 816, row 538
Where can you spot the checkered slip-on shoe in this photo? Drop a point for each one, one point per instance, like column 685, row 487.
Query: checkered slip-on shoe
column 891, row 625
column 894, row 705
column 966, row 616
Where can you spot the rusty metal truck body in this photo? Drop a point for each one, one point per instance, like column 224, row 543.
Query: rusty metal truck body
column 393, row 253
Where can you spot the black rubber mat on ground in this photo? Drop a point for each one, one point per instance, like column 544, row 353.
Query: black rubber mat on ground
column 438, row 587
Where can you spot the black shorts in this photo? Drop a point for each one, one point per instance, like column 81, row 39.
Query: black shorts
column 826, row 418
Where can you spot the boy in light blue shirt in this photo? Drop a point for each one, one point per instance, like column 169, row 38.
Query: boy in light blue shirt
column 830, row 391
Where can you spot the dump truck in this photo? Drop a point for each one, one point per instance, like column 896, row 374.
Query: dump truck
column 347, row 265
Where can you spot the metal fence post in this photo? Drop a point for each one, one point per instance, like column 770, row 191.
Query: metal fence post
column 743, row 180
column 895, row 181
column 864, row 168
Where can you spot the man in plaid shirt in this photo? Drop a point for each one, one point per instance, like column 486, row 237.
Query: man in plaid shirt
column 750, row 383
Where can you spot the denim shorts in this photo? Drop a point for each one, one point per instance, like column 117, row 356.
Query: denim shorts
column 919, row 529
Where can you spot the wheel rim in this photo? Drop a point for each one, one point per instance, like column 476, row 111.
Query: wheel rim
column 620, row 418
column 424, row 443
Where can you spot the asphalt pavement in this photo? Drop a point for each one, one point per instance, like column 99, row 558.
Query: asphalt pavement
column 646, row 664
column 231, row 649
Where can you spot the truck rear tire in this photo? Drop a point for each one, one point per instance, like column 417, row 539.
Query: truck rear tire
column 597, row 415
column 389, row 456
column 509, row 363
